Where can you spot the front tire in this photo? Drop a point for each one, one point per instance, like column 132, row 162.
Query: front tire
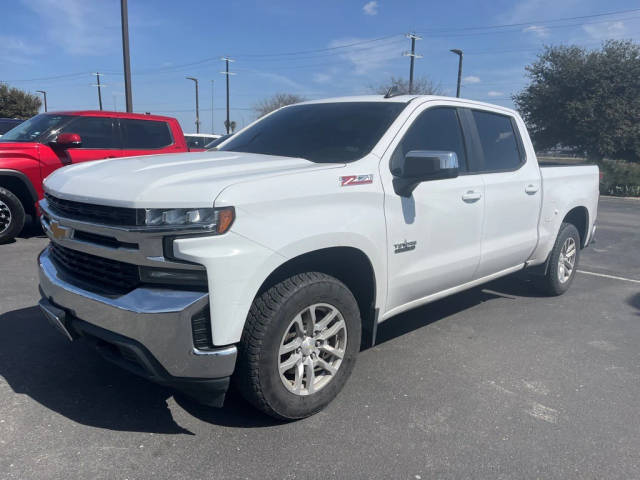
column 12, row 216
column 563, row 262
column 299, row 346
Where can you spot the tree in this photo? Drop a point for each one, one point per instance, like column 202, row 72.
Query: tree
column 268, row 105
column 588, row 101
column 15, row 103
column 421, row 86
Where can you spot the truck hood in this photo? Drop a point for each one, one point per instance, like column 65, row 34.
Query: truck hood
column 18, row 149
column 168, row 181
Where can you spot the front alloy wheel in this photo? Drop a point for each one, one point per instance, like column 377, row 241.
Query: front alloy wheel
column 312, row 349
column 299, row 345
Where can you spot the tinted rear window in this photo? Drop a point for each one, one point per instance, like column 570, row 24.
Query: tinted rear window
column 143, row 134
column 498, row 140
column 321, row 132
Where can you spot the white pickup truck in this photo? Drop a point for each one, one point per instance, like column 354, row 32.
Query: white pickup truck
column 270, row 262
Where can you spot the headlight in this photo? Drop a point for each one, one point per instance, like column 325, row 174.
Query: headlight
column 217, row 220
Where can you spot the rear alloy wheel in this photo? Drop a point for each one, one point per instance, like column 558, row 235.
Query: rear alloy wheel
column 563, row 261
column 299, row 345
column 12, row 216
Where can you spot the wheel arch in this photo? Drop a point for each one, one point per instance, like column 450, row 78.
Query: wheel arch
column 18, row 183
column 579, row 218
column 348, row 264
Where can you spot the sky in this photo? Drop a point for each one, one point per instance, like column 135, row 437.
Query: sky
column 314, row 49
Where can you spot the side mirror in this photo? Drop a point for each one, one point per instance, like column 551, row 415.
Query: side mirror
column 67, row 140
column 419, row 166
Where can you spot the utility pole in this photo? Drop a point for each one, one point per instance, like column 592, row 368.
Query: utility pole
column 124, row 17
column 97, row 74
column 458, row 52
column 212, row 127
column 227, row 73
column 413, row 56
column 44, row 94
column 195, row 80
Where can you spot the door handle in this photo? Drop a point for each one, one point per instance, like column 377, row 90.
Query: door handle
column 471, row 196
column 531, row 189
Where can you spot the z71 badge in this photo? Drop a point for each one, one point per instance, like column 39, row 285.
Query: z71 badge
column 404, row 246
column 349, row 180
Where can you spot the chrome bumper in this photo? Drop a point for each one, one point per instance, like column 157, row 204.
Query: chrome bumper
column 157, row 318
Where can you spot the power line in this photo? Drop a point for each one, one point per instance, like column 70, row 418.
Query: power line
column 536, row 22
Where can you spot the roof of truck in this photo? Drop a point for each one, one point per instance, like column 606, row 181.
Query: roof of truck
column 405, row 99
column 106, row 113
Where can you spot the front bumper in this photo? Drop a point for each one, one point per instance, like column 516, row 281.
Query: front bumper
column 147, row 330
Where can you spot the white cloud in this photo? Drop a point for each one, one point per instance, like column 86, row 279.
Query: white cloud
column 367, row 57
column 537, row 30
column 322, row 77
column 71, row 25
column 494, row 93
column 471, row 79
column 370, row 8
column 277, row 78
column 16, row 50
column 603, row 31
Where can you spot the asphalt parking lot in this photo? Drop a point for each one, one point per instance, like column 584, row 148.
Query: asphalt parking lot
column 496, row 382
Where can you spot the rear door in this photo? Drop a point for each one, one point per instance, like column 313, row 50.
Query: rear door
column 512, row 190
column 434, row 236
column 99, row 139
column 145, row 137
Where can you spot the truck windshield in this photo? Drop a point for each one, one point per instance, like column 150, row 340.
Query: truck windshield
column 33, row 129
column 320, row 132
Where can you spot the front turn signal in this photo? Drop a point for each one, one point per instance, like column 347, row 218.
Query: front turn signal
column 226, row 216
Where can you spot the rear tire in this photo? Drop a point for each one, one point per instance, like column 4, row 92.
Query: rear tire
column 299, row 346
column 563, row 262
column 12, row 216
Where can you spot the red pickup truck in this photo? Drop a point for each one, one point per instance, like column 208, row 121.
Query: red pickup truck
column 46, row 142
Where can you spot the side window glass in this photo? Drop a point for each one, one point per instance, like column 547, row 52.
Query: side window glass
column 498, row 141
column 95, row 132
column 143, row 134
column 435, row 129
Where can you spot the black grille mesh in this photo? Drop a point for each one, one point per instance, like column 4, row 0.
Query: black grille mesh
column 92, row 213
column 201, row 329
column 110, row 274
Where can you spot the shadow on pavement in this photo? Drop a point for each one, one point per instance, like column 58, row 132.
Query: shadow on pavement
column 74, row 381
column 634, row 301
column 31, row 229
column 511, row 287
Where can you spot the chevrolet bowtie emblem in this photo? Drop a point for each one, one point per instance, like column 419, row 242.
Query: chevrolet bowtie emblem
column 57, row 231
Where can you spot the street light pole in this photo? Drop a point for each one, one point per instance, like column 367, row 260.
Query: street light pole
column 124, row 16
column 212, row 124
column 227, row 73
column 44, row 94
column 460, row 54
column 195, row 80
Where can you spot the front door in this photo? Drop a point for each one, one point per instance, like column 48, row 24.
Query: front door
column 434, row 236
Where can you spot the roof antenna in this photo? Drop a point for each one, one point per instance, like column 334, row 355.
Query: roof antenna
column 393, row 90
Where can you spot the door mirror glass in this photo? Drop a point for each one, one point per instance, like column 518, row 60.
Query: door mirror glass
column 419, row 166
column 68, row 140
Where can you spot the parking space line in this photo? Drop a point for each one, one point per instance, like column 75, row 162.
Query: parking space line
column 609, row 276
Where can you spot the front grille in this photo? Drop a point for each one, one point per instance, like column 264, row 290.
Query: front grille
column 89, row 212
column 103, row 272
